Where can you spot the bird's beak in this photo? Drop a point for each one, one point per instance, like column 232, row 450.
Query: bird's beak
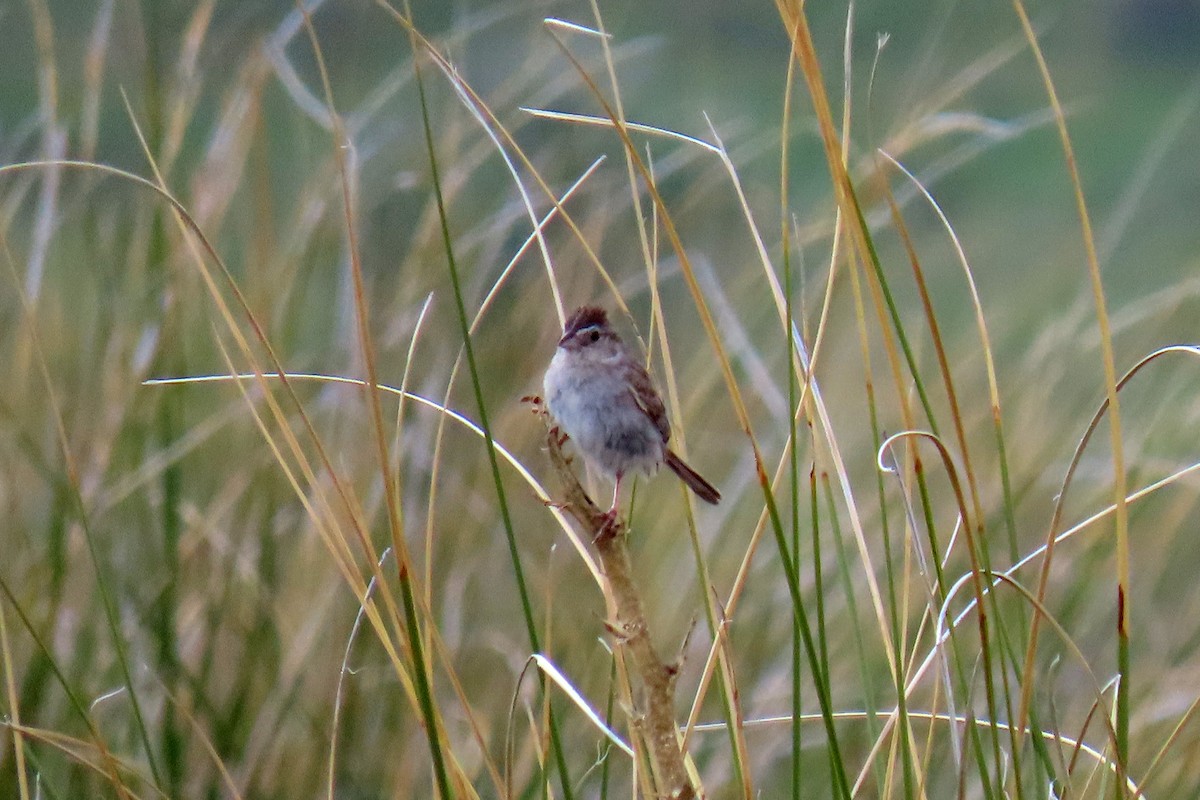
column 563, row 339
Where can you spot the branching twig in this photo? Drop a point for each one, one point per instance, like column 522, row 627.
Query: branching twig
column 629, row 628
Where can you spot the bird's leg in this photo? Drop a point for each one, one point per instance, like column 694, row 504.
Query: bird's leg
column 612, row 511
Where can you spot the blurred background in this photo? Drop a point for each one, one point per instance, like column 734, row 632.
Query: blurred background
column 166, row 500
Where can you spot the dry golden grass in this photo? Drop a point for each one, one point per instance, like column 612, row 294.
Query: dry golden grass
column 231, row 569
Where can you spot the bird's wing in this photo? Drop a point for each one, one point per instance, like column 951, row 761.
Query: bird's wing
column 641, row 388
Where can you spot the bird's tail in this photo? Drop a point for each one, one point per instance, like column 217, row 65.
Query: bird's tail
column 703, row 489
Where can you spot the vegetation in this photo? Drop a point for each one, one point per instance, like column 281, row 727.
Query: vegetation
column 279, row 522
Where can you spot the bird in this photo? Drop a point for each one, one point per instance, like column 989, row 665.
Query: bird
column 601, row 396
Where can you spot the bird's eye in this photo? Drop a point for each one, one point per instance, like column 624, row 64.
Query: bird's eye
column 595, row 336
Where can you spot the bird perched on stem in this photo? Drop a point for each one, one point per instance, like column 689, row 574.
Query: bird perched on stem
column 604, row 400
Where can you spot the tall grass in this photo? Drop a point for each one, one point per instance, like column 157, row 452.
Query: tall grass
column 279, row 523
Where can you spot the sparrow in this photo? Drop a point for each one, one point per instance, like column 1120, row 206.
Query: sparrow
column 601, row 396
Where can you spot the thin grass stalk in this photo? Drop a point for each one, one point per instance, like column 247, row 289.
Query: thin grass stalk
column 842, row 558
column 1047, row 549
column 609, row 707
column 944, row 636
column 111, row 618
column 1121, row 520
column 1169, row 743
column 168, row 426
column 14, row 708
column 489, row 445
column 493, row 292
column 81, row 753
column 412, row 627
column 337, row 545
column 939, row 687
column 324, row 520
column 189, row 227
column 895, row 628
column 960, row 434
column 366, row 608
column 726, row 680
column 111, row 772
column 798, row 637
column 804, row 51
column 730, row 705
column 793, row 475
column 940, row 561
column 718, row 621
column 743, row 417
column 681, row 254
column 733, row 599
column 896, row 619
column 940, row 590
column 210, row 750
column 818, row 574
column 914, row 462
column 985, row 341
column 794, row 409
column 812, row 648
column 169, row 360
column 1039, row 609
column 716, row 618
column 896, row 605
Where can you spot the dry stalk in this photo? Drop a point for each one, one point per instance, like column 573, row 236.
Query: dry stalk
column 629, row 629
